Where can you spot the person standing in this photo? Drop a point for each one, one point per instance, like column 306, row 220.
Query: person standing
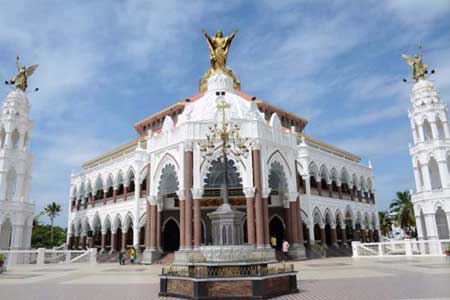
column 285, row 249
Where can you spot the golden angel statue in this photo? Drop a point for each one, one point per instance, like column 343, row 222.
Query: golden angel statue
column 219, row 46
column 419, row 69
column 21, row 79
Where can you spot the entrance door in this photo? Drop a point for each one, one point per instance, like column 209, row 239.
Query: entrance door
column 171, row 236
column 276, row 230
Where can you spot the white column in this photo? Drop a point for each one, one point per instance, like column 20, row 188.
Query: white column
column 311, row 232
column 426, row 177
column 419, row 228
column 443, row 172
column 417, row 180
column 17, row 237
column 137, row 196
column 415, row 136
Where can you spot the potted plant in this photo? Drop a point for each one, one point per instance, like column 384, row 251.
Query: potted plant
column 2, row 260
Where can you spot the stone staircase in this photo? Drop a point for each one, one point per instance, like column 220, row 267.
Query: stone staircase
column 107, row 258
column 338, row 252
column 167, row 258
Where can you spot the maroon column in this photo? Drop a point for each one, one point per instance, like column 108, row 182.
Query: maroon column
column 83, row 242
column 148, row 226
column 344, row 237
column 158, row 229
column 91, row 242
column 266, row 221
column 114, row 195
column 125, row 192
column 188, row 180
column 364, row 235
column 330, row 190
column 249, row 199
column 319, row 186
column 197, row 223
column 113, row 241
column 182, row 214
column 103, row 242
column 288, row 221
column 352, row 194
column 340, row 191
column 294, row 222
column 323, row 237
column 333, row 236
column 104, row 196
column 370, row 235
column 153, row 209
column 259, row 214
column 124, row 241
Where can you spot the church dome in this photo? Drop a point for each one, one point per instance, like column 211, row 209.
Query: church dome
column 424, row 92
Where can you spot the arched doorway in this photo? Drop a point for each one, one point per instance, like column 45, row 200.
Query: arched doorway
column 441, row 224
column 5, row 234
column 328, row 234
column 305, row 233
column 276, row 230
column 317, row 238
column 118, row 244
column 171, row 236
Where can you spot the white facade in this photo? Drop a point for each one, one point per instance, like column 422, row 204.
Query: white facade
column 16, row 208
column 347, row 200
column 430, row 155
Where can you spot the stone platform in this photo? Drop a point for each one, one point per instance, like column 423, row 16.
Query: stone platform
column 227, row 272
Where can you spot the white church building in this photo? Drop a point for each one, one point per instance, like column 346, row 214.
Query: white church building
column 155, row 192
column 16, row 208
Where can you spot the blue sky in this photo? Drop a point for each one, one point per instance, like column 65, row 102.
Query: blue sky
column 106, row 64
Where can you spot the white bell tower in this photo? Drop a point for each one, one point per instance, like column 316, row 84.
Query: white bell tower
column 430, row 154
column 16, row 208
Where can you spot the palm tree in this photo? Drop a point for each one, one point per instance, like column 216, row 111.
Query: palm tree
column 404, row 210
column 52, row 211
column 385, row 222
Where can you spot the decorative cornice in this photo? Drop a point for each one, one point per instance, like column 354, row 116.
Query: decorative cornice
column 266, row 192
column 197, row 193
column 180, row 194
column 249, row 192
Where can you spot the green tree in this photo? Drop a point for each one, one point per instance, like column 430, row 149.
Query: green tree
column 41, row 236
column 385, row 222
column 403, row 208
column 52, row 211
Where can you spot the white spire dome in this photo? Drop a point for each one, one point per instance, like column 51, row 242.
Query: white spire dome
column 220, row 81
column 424, row 92
column 16, row 104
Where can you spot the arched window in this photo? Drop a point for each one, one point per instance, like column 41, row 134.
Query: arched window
column 278, row 181
column 168, row 183
column 427, row 133
column 2, row 137
column 131, row 182
column 11, row 183
column 99, row 189
column 441, row 224
column 15, row 138
column 120, row 188
column 440, row 129
column 435, row 178
column 216, row 178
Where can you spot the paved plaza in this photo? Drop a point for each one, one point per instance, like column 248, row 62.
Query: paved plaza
column 335, row 278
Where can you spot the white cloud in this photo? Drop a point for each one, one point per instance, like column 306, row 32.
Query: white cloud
column 418, row 13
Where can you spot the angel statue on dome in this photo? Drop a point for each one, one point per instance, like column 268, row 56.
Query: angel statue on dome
column 21, row 78
column 219, row 46
column 419, row 69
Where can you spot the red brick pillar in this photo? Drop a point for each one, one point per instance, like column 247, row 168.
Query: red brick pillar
column 259, row 211
column 288, row 221
column 113, row 241
column 158, row 229
column 250, row 199
column 83, row 242
column 104, row 196
column 197, row 193
column 153, row 212
column 364, row 235
column 352, row 194
column 323, row 238
column 148, row 225
column 103, row 242
column 188, row 181
column 123, row 245
column 91, row 242
column 319, row 186
column 125, row 193
column 114, row 195
column 340, row 191
column 334, row 236
column 344, row 237
column 330, row 190
column 266, row 219
column 294, row 221
column 181, row 196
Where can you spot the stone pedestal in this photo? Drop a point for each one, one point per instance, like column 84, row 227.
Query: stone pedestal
column 297, row 252
column 149, row 256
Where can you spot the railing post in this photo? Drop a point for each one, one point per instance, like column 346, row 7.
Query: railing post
column 408, row 250
column 355, row 246
column 92, row 256
column 41, row 256
column 380, row 249
column 68, row 257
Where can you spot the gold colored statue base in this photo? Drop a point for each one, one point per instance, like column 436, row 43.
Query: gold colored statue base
column 203, row 85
